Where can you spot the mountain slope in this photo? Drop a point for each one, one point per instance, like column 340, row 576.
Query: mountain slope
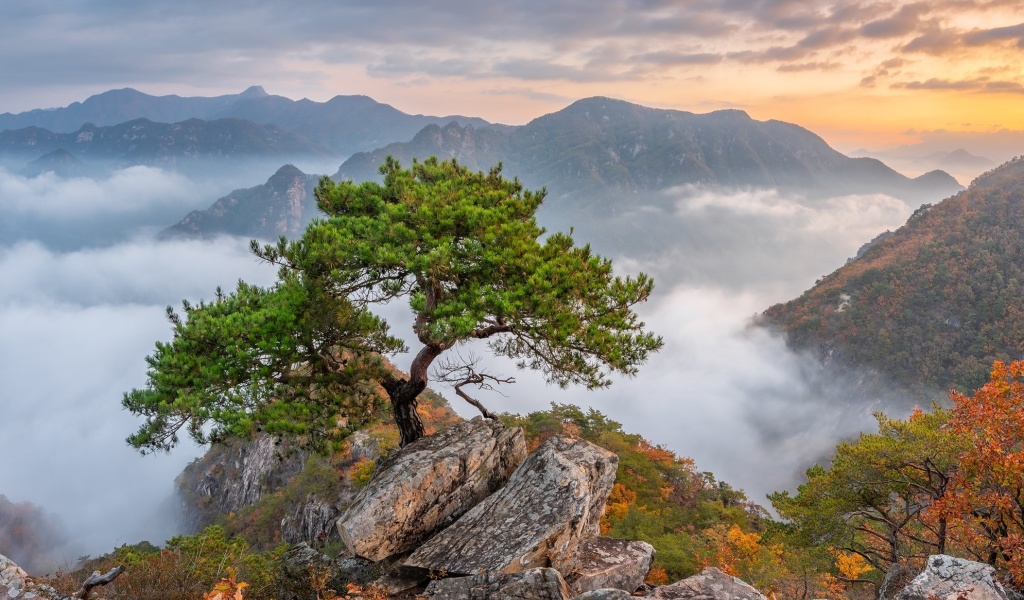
column 599, row 144
column 281, row 206
column 932, row 305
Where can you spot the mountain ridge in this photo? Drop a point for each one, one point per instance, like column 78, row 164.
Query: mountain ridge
column 343, row 124
column 601, row 142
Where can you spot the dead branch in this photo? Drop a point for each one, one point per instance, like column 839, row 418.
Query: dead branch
column 96, row 580
column 463, row 372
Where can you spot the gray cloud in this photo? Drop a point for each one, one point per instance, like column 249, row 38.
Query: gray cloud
column 810, row 66
column 998, row 34
column 74, row 329
column 979, row 84
column 827, row 37
column 680, row 58
column 906, row 20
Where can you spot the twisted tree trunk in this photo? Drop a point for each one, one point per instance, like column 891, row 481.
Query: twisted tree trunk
column 404, row 393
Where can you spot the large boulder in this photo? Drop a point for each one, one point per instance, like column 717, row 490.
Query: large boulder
column 553, row 501
column 531, row 584
column 709, row 584
column 428, row 484
column 948, row 578
column 602, row 562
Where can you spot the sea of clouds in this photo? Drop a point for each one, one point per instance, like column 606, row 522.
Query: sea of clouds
column 78, row 317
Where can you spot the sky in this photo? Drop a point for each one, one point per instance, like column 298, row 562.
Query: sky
column 860, row 73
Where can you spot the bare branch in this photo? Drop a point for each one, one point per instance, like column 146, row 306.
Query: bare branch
column 96, row 580
column 462, row 372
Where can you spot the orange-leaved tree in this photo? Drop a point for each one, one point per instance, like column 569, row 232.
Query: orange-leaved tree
column 987, row 499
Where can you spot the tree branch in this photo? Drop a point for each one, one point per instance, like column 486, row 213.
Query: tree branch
column 96, row 580
column 459, row 374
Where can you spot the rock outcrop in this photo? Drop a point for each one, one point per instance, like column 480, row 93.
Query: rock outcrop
column 234, row 475
column 949, row 578
column 428, row 485
column 312, row 520
column 709, row 584
column 603, row 563
column 15, row 583
column 531, row 584
column 551, row 503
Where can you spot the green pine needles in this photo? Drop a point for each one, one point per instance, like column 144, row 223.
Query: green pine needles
column 462, row 247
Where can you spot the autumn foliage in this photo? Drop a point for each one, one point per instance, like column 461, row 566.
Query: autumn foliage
column 988, row 492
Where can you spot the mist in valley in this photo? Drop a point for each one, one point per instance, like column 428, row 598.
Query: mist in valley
column 85, row 286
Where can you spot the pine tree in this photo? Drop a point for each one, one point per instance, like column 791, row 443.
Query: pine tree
column 462, row 247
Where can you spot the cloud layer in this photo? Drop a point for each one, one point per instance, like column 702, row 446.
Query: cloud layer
column 76, row 324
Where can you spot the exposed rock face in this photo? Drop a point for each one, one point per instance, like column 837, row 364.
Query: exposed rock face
column 603, row 562
column 552, row 502
column 283, row 205
column 709, row 584
column 15, row 584
column 531, row 584
column 233, row 476
column 949, row 578
column 311, row 521
column 428, row 484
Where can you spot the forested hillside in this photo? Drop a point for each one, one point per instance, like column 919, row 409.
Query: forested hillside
column 932, row 305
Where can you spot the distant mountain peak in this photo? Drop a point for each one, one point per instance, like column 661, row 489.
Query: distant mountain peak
column 288, row 171
column 732, row 113
column 255, row 91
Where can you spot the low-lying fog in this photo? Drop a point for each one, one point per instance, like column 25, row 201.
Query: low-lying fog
column 77, row 319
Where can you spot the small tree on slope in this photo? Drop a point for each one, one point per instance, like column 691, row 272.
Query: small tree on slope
column 466, row 251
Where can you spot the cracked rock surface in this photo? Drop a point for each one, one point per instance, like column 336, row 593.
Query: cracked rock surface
column 949, row 578
column 551, row 503
column 428, row 485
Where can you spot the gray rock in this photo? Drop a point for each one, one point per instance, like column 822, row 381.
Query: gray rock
column 357, row 570
column 234, row 475
column 949, row 578
column 312, row 520
column 602, row 563
column 552, row 502
column 709, row 584
column 400, row 578
column 896, row 578
column 428, row 484
column 296, row 570
column 300, row 564
column 604, row 594
column 531, row 584
column 15, row 584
